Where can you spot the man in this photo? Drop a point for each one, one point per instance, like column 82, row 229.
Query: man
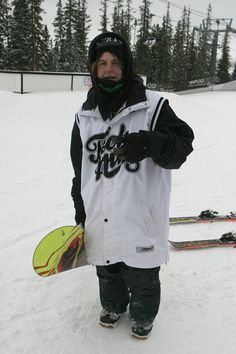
column 125, row 141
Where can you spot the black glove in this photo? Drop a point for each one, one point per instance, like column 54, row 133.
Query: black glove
column 80, row 214
column 131, row 147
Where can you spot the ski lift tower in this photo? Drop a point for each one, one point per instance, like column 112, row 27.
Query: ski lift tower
column 226, row 22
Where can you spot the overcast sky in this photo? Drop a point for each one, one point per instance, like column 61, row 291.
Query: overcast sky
column 220, row 9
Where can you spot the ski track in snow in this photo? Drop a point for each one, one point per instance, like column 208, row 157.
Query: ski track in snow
column 59, row 315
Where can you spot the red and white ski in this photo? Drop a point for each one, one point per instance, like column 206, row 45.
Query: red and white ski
column 206, row 216
column 226, row 240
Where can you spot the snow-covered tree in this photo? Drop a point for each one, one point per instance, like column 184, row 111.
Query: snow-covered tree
column 204, row 60
column 47, row 62
column 59, row 32
column 117, row 16
column 234, row 72
column 142, row 52
column 224, row 62
column 5, row 19
column 81, row 29
column 164, row 52
column 104, row 16
column 36, row 33
column 20, row 36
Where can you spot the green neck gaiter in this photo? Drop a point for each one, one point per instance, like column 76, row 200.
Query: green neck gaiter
column 110, row 86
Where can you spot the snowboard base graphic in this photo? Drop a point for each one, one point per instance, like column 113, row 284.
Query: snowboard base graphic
column 60, row 250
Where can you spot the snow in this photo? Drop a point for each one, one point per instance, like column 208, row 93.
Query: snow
column 59, row 315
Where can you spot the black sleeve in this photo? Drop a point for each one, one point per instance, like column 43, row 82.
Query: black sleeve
column 76, row 151
column 170, row 142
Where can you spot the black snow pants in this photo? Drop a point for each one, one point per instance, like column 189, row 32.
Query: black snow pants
column 121, row 285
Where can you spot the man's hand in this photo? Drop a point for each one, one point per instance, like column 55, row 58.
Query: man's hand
column 131, row 147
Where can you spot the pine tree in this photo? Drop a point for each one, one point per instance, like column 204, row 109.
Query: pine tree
column 224, row 62
column 8, row 22
column 122, row 19
column 152, row 69
column 145, row 19
column 20, row 36
column 128, row 21
column 142, row 52
column 178, row 70
column 125, row 21
column 4, row 32
column 81, row 29
column 2, row 37
column 59, row 31
column 58, row 23
column 104, row 16
column 69, row 50
column 26, row 35
column 71, row 27
column 203, row 63
column 117, row 17
column 164, row 52
column 47, row 62
column 192, row 73
column 181, row 52
column 187, row 47
column 234, row 73
column 36, row 35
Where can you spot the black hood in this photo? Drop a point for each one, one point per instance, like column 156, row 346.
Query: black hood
column 114, row 43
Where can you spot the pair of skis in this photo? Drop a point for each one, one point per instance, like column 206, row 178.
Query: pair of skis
column 206, row 216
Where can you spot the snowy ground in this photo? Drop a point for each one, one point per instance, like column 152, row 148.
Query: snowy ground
column 59, row 315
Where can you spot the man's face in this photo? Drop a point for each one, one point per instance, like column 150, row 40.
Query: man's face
column 109, row 67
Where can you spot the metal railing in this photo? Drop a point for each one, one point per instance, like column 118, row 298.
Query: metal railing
column 36, row 81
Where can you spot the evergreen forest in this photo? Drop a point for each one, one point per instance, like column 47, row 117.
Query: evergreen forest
column 173, row 55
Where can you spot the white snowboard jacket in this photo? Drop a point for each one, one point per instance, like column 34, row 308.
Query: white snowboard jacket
column 127, row 205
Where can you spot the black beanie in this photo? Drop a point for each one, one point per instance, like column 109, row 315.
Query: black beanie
column 108, row 44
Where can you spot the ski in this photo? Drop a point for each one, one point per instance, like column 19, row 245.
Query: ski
column 206, row 216
column 226, row 240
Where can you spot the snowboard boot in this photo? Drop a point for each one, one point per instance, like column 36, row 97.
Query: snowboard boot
column 141, row 332
column 109, row 319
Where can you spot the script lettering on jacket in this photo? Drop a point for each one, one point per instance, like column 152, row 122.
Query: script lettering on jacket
column 101, row 149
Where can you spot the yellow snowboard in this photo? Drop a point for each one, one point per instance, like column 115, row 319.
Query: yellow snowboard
column 60, row 250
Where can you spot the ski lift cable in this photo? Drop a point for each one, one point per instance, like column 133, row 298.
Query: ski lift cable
column 195, row 12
